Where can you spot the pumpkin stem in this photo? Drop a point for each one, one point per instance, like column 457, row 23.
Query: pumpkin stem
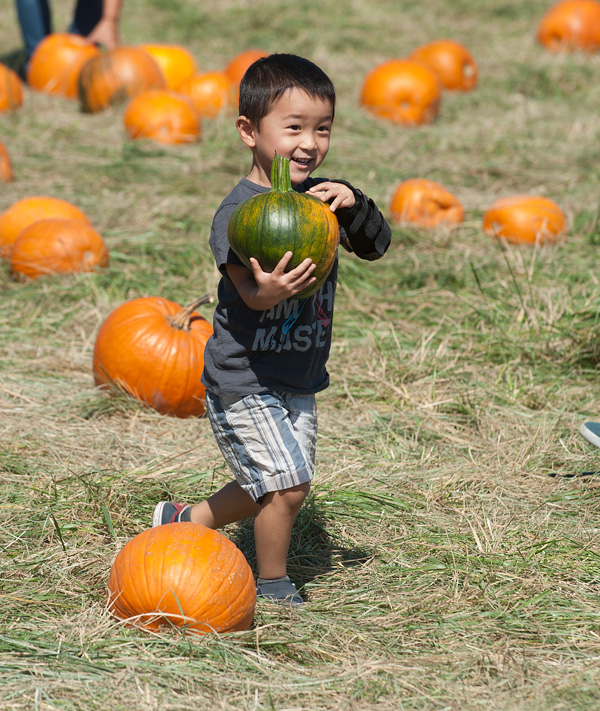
column 182, row 319
column 280, row 174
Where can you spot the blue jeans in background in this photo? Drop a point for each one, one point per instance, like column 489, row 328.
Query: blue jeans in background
column 35, row 19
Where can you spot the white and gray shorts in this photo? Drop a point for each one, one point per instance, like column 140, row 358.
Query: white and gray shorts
column 267, row 439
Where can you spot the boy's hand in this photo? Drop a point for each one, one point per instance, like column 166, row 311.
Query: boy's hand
column 336, row 194
column 279, row 284
column 261, row 290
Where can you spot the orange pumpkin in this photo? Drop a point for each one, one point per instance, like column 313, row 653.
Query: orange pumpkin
column 182, row 575
column 571, row 24
column 56, row 62
column 236, row 68
column 402, row 91
column 211, row 92
column 56, row 246
column 162, row 115
column 176, row 62
column 153, row 349
column 451, row 62
column 525, row 219
column 424, row 202
column 116, row 75
column 6, row 172
column 11, row 89
column 26, row 211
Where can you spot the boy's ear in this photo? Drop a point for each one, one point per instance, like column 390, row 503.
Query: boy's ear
column 246, row 131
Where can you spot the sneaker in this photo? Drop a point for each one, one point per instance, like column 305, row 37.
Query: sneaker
column 167, row 512
column 591, row 432
column 281, row 591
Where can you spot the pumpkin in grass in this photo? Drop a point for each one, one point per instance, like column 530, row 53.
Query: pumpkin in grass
column 182, row 575
column 116, row 75
column 56, row 246
column 236, row 67
column 525, row 219
column 402, row 91
column 153, row 349
column 269, row 224
column 11, row 89
column 451, row 62
column 56, row 62
column 26, row 211
column 176, row 62
column 6, row 171
column 570, row 25
column 162, row 115
column 425, row 202
column 211, row 92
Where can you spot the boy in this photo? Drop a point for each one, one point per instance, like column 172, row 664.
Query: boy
column 267, row 357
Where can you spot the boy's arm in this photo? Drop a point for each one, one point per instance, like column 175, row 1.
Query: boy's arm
column 262, row 290
column 369, row 235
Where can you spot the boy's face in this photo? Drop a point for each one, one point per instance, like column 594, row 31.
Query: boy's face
column 297, row 127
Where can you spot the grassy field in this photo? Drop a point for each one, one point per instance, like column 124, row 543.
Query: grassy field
column 445, row 568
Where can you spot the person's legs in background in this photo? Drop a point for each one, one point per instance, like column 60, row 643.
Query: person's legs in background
column 88, row 14
column 35, row 21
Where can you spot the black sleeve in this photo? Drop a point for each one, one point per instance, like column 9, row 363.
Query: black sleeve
column 369, row 235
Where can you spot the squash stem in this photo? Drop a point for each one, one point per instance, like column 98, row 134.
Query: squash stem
column 280, row 174
column 183, row 318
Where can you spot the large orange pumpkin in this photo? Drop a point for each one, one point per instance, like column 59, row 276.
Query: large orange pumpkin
column 11, row 89
column 525, row 219
column 451, row 62
column 176, row 62
column 211, row 92
column 26, row 211
column 56, row 62
column 182, row 575
column 236, row 68
column 57, row 246
column 153, row 349
column 402, row 91
column 571, row 24
column 6, row 172
column 162, row 115
column 424, row 202
column 116, row 75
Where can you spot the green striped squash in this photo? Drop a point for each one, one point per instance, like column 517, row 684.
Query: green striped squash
column 268, row 225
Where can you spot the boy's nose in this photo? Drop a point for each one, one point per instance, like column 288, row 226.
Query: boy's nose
column 308, row 142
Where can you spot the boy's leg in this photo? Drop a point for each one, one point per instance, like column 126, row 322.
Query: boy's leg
column 273, row 529
column 229, row 504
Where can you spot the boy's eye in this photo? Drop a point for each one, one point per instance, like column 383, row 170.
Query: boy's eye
column 324, row 129
column 294, row 127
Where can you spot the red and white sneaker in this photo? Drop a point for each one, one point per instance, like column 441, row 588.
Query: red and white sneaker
column 168, row 512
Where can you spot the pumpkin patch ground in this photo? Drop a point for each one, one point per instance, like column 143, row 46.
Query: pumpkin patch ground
column 448, row 550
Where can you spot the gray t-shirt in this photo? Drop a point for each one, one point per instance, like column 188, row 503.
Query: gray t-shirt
column 286, row 347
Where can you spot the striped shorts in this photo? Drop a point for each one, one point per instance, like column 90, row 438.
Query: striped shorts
column 268, row 439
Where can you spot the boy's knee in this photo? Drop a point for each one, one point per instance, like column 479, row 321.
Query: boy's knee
column 292, row 498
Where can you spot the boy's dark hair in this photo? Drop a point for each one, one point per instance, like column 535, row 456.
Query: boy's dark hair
column 270, row 77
